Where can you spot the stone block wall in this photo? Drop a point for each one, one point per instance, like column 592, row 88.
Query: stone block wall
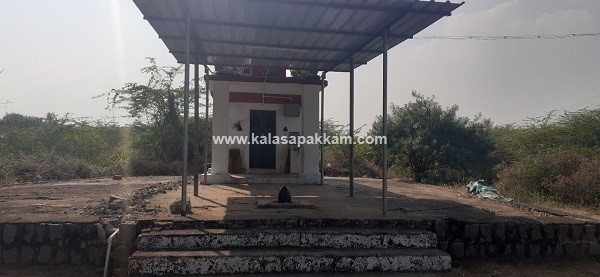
column 45, row 243
column 468, row 241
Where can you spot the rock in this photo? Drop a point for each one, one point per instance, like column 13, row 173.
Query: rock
column 594, row 249
column 590, row 231
column 440, row 229
column 26, row 255
column 117, row 177
column 73, row 230
column 562, row 232
column 40, row 232
column 116, row 202
column 535, row 232
column 471, row 231
column 114, row 222
column 500, row 232
column 101, row 231
column 45, row 254
column 576, row 231
column 56, row 231
column 486, row 232
column 520, row 250
column 94, row 232
column 284, row 195
column 443, row 245
column 29, row 233
column 534, row 250
column 9, row 234
column 511, row 232
column 548, row 231
column 458, row 250
column 175, row 206
column 471, row 251
column 523, row 232
column 75, row 257
column 94, row 255
column 491, row 250
column 570, row 249
column 11, row 255
column 558, row 250
column 60, row 257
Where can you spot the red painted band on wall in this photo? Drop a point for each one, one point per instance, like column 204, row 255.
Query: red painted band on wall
column 264, row 98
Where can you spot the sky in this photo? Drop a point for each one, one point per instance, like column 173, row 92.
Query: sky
column 57, row 55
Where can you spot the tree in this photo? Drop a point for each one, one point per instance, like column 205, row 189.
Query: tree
column 337, row 156
column 157, row 108
column 21, row 121
column 435, row 143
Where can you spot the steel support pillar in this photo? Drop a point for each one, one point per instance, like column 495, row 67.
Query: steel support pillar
column 321, row 165
column 196, row 120
column 384, row 120
column 207, row 125
column 186, row 104
column 351, row 127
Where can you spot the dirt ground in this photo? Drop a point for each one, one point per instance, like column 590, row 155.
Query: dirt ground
column 65, row 201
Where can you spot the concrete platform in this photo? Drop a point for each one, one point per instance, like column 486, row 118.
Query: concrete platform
column 271, row 204
column 287, row 261
column 406, row 201
column 197, row 239
column 296, row 179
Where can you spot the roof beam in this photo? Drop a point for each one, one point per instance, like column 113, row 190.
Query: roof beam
column 267, row 58
column 186, row 13
column 367, row 41
column 378, row 8
column 261, row 26
column 329, row 5
column 276, row 46
column 265, row 66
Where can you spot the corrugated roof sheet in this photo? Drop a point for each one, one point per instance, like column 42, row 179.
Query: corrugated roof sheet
column 293, row 34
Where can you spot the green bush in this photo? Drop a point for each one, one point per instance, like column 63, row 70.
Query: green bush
column 562, row 177
column 435, row 143
column 337, row 157
column 337, row 161
column 155, row 168
column 552, row 159
column 53, row 148
column 580, row 188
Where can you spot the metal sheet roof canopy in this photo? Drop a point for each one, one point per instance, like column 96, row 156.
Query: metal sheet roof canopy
column 292, row 34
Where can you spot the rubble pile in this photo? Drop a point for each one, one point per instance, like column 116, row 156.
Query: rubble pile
column 115, row 205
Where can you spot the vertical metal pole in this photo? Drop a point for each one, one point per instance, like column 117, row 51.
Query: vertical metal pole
column 207, row 126
column 196, row 120
column 323, row 76
column 186, row 104
column 351, row 127
column 384, row 119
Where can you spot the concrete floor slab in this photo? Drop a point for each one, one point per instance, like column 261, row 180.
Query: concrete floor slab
column 406, row 202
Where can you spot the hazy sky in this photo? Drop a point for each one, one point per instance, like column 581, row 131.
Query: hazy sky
column 58, row 54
